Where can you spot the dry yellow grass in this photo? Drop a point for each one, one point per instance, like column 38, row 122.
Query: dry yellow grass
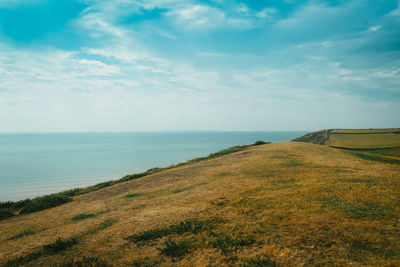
column 364, row 141
column 299, row 204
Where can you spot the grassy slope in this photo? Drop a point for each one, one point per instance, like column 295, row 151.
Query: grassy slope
column 10, row 209
column 285, row 203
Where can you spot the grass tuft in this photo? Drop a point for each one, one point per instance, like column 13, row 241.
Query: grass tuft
column 85, row 262
column 193, row 226
column 149, row 235
column 59, row 245
column 49, row 249
column 258, row 261
column 147, row 262
column 227, row 243
column 175, row 249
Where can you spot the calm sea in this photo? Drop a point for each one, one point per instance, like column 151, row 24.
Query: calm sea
column 38, row 164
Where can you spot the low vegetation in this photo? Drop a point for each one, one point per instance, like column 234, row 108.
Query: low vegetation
column 227, row 243
column 175, row 249
column 20, row 235
column 83, row 216
column 85, row 262
column 48, row 249
column 9, row 209
column 193, row 226
column 259, row 261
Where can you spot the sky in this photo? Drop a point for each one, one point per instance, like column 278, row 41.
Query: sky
column 229, row 65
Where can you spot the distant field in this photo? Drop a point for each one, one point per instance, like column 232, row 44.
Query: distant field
column 391, row 152
column 363, row 140
column 381, row 145
column 364, row 131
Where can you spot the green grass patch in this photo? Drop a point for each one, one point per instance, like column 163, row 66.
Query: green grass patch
column 138, row 207
column 149, row 235
column 85, row 262
column 294, row 163
column 227, row 243
column 83, row 216
column 340, row 170
column 134, row 195
column 223, row 174
column 107, row 223
column 359, row 180
column 259, row 261
column 147, row 262
column 59, row 245
column 360, row 249
column 378, row 158
column 366, row 210
column 20, row 235
column 175, row 249
column 50, row 249
column 176, row 191
column 193, row 226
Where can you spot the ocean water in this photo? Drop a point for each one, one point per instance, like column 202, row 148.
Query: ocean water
column 38, row 164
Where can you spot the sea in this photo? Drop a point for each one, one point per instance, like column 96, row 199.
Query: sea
column 35, row 164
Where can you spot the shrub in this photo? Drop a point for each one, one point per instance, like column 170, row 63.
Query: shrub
column 4, row 214
column 41, row 203
column 175, row 249
column 258, row 143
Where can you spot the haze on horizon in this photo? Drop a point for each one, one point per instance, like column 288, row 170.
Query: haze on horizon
column 153, row 65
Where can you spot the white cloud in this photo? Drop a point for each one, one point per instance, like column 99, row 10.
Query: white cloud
column 202, row 17
column 266, row 13
column 375, row 28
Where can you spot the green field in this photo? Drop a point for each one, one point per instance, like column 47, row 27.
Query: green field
column 363, row 140
column 371, row 144
column 364, row 131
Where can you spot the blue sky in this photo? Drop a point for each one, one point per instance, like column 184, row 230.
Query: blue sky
column 153, row 65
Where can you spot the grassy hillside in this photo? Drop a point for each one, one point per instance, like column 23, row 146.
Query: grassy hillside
column 283, row 204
